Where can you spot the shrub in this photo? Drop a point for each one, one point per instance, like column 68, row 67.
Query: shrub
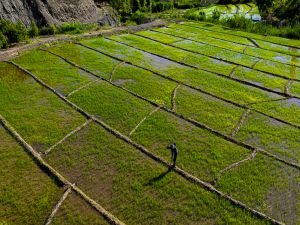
column 14, row 32
column 216, row 15
column 51, row 30
column 3, row 41
column 34, row 30
column 139, row 17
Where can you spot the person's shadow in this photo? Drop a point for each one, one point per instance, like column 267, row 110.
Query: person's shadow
column 159, row 177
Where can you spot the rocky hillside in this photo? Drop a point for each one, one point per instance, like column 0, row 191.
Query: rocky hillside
column 45, row 12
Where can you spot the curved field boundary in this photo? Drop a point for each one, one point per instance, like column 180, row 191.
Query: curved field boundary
column 234, row 165
column 173, row 99
column 67, row 136
column 191, row 121
column 218, row 74
column 139, row 147
column 192, row 87
column 143, row 120
column 217, row 58
column 240, row 122
column 50, row 170
column 262, row 39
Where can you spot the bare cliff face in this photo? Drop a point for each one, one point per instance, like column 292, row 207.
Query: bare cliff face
column 46, row 12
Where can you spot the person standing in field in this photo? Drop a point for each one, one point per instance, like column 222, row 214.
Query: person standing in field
column 174, row 152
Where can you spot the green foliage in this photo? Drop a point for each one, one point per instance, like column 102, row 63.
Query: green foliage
column 34, row 30
column 3, row 41
column 51, row 30
column 139, row 17
column 14, row 32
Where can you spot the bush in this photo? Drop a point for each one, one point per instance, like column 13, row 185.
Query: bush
column 194, row 14
column 139, row 17
column 14, row 32
column 3, row 41
column 51, row 30
column 34, row 30
column 71, row 28
column 216, row 15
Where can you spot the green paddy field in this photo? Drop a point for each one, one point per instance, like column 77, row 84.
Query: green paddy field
column 102, row 111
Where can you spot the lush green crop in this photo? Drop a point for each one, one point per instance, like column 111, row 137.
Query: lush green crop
column 155, row 88
column 27, row 194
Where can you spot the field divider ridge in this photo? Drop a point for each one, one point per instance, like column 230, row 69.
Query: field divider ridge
column 257, row 45
column 191, row 121
column 240, row 122
column 187, row 85
column 218, row 31
column 174, row 95
column 68, row 135
column 151, row 155
column 255, row 63
column 58, row 205
column 233, row 71
column 234, row 165
column 287, row 87
column 115, row 69
column 82, row 87
column 202, row 69
column 52, row 172
column 143, row 120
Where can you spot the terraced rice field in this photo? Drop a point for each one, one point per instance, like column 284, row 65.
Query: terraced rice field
column 96, row 116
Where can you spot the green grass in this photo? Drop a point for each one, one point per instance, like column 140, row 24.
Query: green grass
column 202, row 38
column 241, row 34
column 266, row 185
column 261, row 79
column 201, row 153
column 287, row 110
column 278, row 48
column 208, row 50
column 199, row 37
column 196, row 28
column 273, row 56
column 112, row 105
column 127, row 183
column 97, row 63
column 278, row 69
column 275, row 137
column 27, row 194
column 54, row 71
column 178, row 55
column 207, row 110
column 135, row 188
column 219, row 53
column 145, row 84
column 135, row 57
column 37, row 114
column 223, row 87
column 162, row 37
column 295, row 88
column 75, row 210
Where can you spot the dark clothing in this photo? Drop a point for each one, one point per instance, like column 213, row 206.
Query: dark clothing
column 174, row 152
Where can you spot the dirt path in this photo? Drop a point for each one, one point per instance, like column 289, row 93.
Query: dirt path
column 17, row 50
